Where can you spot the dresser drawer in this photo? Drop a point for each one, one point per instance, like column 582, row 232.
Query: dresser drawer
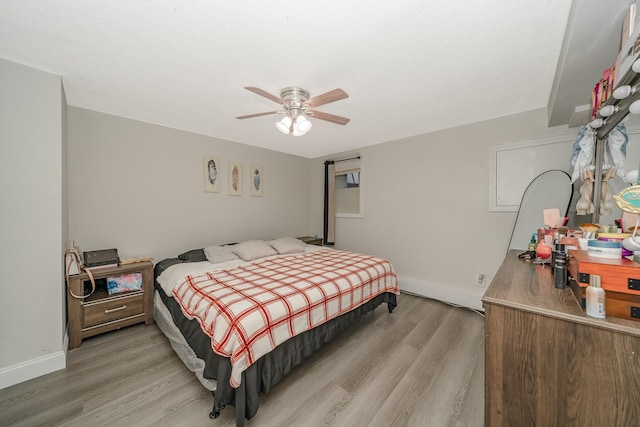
column 108, row 310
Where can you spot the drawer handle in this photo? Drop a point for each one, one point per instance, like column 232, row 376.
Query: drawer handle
column 112, row 310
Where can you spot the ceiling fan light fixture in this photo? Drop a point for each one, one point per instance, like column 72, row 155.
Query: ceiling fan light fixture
column 302, row 124
column 296, row 105
column 298, row 132
column 284, row 125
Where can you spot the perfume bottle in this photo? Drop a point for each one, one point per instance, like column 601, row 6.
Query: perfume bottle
column 595, row 298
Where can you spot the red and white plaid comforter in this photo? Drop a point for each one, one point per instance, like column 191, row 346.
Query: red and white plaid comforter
column 249, row 310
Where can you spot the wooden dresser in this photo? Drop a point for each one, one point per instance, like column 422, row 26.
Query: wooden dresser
column 547, row 363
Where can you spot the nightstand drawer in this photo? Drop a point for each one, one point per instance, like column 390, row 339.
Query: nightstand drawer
column 108, row 310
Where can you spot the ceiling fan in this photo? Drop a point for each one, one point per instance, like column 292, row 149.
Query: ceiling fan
column 297, row 106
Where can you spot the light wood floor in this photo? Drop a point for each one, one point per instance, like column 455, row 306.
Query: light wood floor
column 422, row 365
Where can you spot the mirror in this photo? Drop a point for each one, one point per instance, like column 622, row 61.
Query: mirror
column 616, row 185
column 550, row 189
column 629, row 151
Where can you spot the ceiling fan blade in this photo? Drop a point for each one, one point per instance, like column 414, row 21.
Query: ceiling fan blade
column 257, row 115
column 330, row 117
column 325, row 98
column 267, row 95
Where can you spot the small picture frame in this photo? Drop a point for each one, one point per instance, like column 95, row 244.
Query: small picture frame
column 256, row 180
column 211, row 171
column 235, row 179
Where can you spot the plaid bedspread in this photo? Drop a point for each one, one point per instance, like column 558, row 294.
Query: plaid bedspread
column 248, row 310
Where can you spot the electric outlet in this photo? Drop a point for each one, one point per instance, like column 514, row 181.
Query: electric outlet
column 480, row 279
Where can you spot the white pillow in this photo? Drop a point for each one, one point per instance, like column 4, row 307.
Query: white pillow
column 216, row 254
column 287, row 245
column 253, row 249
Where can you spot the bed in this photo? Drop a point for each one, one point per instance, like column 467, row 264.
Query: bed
column 242, row 316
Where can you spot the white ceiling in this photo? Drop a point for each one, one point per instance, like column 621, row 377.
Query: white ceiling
column 409, row 66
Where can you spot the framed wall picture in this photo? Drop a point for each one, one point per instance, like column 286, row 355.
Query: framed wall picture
column 211, row 172
column 256, row 180
column 235, row 179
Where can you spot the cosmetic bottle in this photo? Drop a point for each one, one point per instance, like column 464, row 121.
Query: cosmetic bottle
column 558, row 249
column 595, row 298
column 532, row 243
column 560, row 270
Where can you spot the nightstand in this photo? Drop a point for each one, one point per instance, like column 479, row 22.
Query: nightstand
column 311, row 240
column 101, row 312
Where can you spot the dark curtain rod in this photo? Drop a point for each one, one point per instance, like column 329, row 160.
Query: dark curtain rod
column 330, row 162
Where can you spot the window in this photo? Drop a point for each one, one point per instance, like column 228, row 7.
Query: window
column 342, row 193
column 347, row 185
column 353, row 179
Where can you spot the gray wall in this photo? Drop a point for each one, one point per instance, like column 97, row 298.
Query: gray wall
column 426, row 206
column 31, row 229
column 139, row 188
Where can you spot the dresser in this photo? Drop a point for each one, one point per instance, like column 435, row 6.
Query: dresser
column 547, row 363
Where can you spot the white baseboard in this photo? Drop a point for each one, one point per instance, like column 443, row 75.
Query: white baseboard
column 442, row 293
column 33, row 368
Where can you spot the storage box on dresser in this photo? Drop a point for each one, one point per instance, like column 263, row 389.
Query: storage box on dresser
column 101, row 312
column 620, row 278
